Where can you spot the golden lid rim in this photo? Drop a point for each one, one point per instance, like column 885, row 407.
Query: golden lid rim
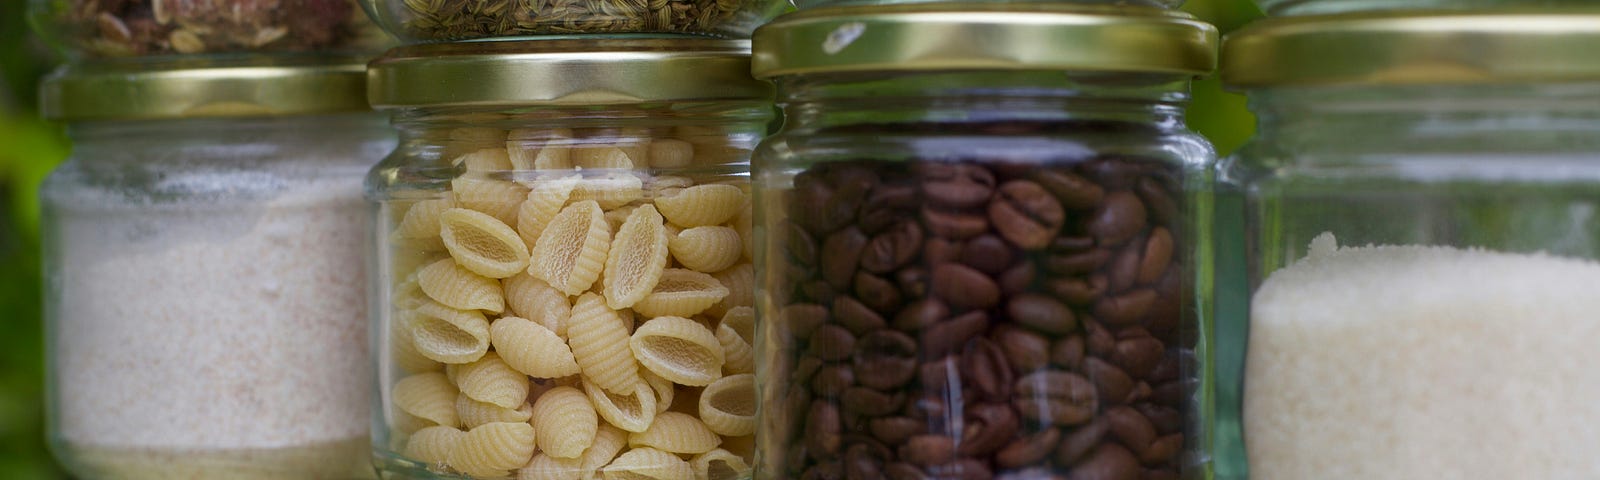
column 136, row 90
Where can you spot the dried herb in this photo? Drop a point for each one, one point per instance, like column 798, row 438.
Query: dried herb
column 463, row 19
column 119, row 28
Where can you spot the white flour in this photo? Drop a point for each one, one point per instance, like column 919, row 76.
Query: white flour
column 212, row 327
column 1413, row 363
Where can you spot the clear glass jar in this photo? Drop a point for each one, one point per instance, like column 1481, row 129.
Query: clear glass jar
column 94, row 29
column 1423, row 250
column 1324, row 7
column 448, row 20
column 569, row 268
column 982, row 274
column 204, row 284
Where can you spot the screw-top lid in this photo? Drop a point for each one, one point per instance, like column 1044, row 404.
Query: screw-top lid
column 564, row 72
column 196, row 89
column 985, row 36
column 1415, row 49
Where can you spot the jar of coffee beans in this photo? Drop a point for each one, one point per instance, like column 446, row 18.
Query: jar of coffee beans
column 985, row 256
column 564, row 260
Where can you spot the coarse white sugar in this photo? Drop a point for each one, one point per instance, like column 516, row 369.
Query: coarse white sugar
column 234, row 327
column 1412, row 362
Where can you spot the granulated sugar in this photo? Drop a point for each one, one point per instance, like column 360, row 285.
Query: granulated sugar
column 197, row 327
column 1414, row 363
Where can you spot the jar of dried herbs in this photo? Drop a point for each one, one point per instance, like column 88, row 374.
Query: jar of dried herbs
column 444, row 20
column 132, row 28
column 1136, row 3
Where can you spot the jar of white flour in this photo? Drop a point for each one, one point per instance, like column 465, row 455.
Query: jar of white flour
column 204, row 266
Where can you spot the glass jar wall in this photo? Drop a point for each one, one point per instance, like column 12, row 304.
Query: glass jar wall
column 1324, row 7
column 92, row 29
column 446, row 20
column 564, row 279
column 1423, row 247
column 983, row 273
column 204, row 277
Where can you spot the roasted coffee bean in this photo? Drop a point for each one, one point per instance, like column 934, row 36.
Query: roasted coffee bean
column 886, row 359
column 1167, row 369
column 920, row 314
column 1156, row 257
column 832, row 343
column 802, row 249
column 801, row 319
column 1170, row 394
column 1100, row 341
column 948, row 336
column 824, row 471
column 1108, row 461
column 886, row 206
column 1138, row 356
column 943, row 374
column 896, row 430
column 1042, row 313
column 1028, row 450
column 1026, row 351
column 813, row 191
column 962, row 469
column 987, row 253
column 823, row 430
column 796, row 458
column 941, row 250
column 1036, row 473
column 1067, row 352
column 1162, row 208
column 913, row 281
column 1118, row 219
column 1076, row 263
column 1160, row 475
column 841, row 252
column 1141, row 392
column 851, row 187
column 1112, row 384
column 1114, row 173
column 904, row 471
column 1078, row 442
column 893, row 248
column 1078, row 291
column 1162, row 449
column 832, row 380
column 1018, row 279
column 805, row 368
column 1130, row 427
column 1073, row 191
column 954, row 225
column 868, row 402
column 929, row 450
column 1071, row 244
column 1166, row 420
column 1123, row 271
column 1026, row 214
column 956, row 185
column 875, row 292
column 984, row 366
column 856, row 317
column 1055, row 397
column 818, row 291
column 988, row 428
column 963, row 288
column 860, row 465
column 1125, row 309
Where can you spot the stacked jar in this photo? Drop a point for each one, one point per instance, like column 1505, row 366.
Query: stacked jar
column 984, row 255
column 1419, row 200
column 564, row 279
column 1326, row 7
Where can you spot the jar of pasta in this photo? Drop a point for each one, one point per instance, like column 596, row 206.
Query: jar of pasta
column 202, row 256
column 992, row 262
column 563, row 262
column 101, row 29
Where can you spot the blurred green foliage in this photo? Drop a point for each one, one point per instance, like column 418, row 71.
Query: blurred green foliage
column 30, row 147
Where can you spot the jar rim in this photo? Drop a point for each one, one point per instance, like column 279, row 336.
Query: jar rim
column 252, row 86
column 1415, row 48
column 985, row 36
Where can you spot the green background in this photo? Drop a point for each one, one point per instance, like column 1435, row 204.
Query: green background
column 30, row 147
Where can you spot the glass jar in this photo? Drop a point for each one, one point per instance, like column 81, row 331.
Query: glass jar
column 989, row 262
column 1324, row 7
column 563, row 259
column 447, row 20
column 1423, row 246
column 90, row 29
column 204, row 283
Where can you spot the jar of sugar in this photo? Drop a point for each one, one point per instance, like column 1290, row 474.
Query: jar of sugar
column 1424, row 246
column 564, row 280
column 203, row 260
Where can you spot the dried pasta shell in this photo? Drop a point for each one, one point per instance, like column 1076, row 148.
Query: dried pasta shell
column 701, row 205
column 745, row 225
column 566, row 422
column 637, row 258
column 632, row 411
column 665, row 390
column 533, row 299
column 432, row 445
column 728, row 406
column 737, row 353
column 546, row 467
column 531, row 349
column 474, row 413
column 719, row 464
column 676, row 433
column 483, row 244
column 540, row 149
column 607, row 444
column 497, row 198
column 678, row 349
column 648, row 464
column 742, row 320
column 403, row 350
column 493, row 449
column 486, row 160
column 599, row 342
column 659, row 184
column 671, row 153
column 428, row 396
column 448, row 335
column 490, row 380
column 571, row 252
column 544, row 201
column 464, row 140
column 602, row 157
column 610, row 190
column 407, row 294
column 421, row 221
column 741, row 283
column 681, row 293
column 707, row 249
column 450, row 284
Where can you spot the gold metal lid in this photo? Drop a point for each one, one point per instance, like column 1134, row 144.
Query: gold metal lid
column 189, row 89
column 563, row 72
column 1401, row 48
column 984, row 36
